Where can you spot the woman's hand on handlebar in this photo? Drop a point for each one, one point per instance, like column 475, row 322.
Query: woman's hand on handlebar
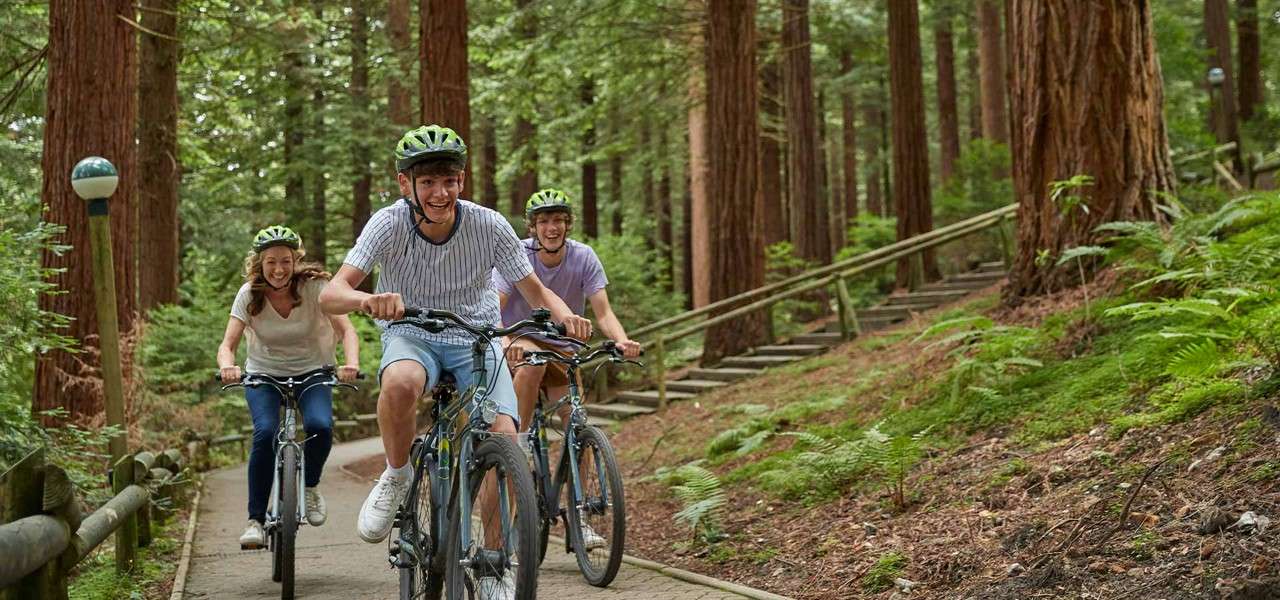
column 387, row 306
column 230, row 374
column 347, row 374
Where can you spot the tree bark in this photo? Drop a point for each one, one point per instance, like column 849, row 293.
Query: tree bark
column 615, row 194
column 776, row 228
column 443, row 82
column 590, row 218
column 850, row 128
column 1088, row 100
column 399, row 103
column 995, row 117
column 948, row 121
column 828, row 194
column 488, row 184
column 699, row 163
column 526, row 134
column 647, row 188
column 975, row 94
column 362, row 187
column 90, row 109
column 686, row 234
column 873, row 118
column 733, row 152
column 316, row 246
column 1250, row 57
column 803, row 161
column 158, row 154
column 910, row 143
column 666, row 239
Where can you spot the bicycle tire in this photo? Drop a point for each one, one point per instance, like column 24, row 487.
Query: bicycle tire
column 288, row 517
column 275, row 555
column 502, row 454
column 426, row 580
column 599, row 571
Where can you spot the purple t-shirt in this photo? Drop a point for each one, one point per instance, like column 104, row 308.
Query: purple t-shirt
column 575, row 279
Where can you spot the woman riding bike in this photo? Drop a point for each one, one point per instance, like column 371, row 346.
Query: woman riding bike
column 288, row 335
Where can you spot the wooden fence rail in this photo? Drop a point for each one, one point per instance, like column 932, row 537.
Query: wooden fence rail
column 44, row 535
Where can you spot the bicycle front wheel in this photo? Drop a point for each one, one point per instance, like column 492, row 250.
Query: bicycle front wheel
column 502, row 554
column 424, row 577
column 597, row 525
column 288, row 526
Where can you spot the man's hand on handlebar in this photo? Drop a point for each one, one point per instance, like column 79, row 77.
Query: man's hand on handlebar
column 577, row 328
column 387, row 306
column 514, row 352
column 230, row 374
column 629, row 348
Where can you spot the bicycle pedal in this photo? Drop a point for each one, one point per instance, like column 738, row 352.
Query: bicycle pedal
column 244, row 547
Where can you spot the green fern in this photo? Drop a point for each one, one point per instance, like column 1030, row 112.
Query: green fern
column 702, row 497
column 1194, row 360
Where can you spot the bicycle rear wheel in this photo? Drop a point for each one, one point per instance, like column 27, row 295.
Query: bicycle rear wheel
column 288, row 527
column 424, row 579
column 602, row 514
column 502, row 554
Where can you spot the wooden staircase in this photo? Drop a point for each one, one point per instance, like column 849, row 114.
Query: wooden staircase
column 896, row 308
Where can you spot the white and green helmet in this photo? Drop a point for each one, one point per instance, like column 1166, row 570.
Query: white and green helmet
column 547, row 200
column 428, row 142
column 276, row 235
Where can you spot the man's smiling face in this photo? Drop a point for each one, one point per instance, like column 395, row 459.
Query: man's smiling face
column 437, row 194
column 551, row 229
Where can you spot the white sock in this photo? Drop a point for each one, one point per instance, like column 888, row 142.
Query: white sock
column 400, row 474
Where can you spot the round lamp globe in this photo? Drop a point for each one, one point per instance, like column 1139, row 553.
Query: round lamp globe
column 94, row 177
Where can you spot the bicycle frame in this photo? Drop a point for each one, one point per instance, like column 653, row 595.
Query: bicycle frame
column 287, row 435
column 550, row 489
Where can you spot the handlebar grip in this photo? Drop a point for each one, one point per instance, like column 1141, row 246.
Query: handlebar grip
column 559, row 328
column 360, row 375
column 412, row 312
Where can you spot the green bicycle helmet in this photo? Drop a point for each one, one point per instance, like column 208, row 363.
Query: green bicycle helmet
column 547, row 200
column 427, row 142
column 276, row 235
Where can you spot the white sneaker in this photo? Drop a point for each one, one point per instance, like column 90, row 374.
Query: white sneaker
column 253, row 537
column 316, row 509
column 379, row 510
column 590, row 539
column 492, row 588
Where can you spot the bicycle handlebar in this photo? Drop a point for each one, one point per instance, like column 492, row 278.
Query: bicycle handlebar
column 607, row 348
column 256, row 379
column 435, row 321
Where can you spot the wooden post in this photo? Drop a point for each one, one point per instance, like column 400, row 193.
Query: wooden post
column 660, row 372
column 848, row 317
column 127, row 534
column 22, row 495
column 601, row 384
column 917, row 271
column 1006, row 244
column 141, row 472
column 94, row 179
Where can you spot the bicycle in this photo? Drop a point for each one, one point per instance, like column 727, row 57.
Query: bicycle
column 599, row 502
column 441, row 499
column 284, row 510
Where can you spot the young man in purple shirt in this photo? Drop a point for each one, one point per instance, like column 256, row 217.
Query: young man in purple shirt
column 572, row 271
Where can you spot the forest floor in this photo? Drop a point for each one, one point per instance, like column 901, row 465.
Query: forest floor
column 1178, row 510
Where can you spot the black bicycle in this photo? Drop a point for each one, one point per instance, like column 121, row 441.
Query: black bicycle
column 285, row 508
column 594, row 510
column 456, row 464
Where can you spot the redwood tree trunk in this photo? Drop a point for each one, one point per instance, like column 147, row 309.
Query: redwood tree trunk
column 850, row 128
column 995, row 118
column 686, row 235
column 975, row 94
column 803, row 160
column 873, row 118
column 488, row 184
column 590, row 227
column 828, row 193
column 91, row 103
column 910, row 143
column 361, row 188
column 1217, row 33
column 775, row 214
column 948, row 121
column 1250, row 57
column 399, row 104
column 158, row 154
column 615, row 194
column 733, row 146
column 666, row 240
column 443, row 83
column 700, row 217
column 1088, row 100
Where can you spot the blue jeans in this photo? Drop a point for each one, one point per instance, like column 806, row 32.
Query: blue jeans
column 456, row 360
column 317, row 420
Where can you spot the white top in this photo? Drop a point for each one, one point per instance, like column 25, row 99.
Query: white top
column 279, row 346
column 453, row 275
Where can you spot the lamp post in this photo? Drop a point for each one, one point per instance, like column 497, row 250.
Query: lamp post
column 94, row 180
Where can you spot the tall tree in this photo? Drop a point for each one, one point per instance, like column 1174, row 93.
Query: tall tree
column 1088, row 100
column 975, row 93
column 686, row 234
column 158, row 153
column 293, row 124
column 615, row 194
column 319, row 218
column 488, row 184
column 910, row 144
column 775, row 214
column 525, row 144
column 648, row 191
column 733, row 152
column 1217, row 33
column 803, row 162
column 662, row 212
column 399, row 105
column 826, row 172
column 700, row 217
column 850, row 129
column 1250, row 57
column 362, row 186
column 873, row 120
column 590, row 226
column 90, row 109
column 948, row 120
column 443, row 83
column 995, row 118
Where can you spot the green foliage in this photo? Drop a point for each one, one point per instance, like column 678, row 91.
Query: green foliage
column 869, row 232
column 985, row 353
column 880, row 576
column 782, row 262
column 981, row 182
column 750, row 434
column 825, row 466
column 637, row 280
column 701, row 495
column 1178, row 401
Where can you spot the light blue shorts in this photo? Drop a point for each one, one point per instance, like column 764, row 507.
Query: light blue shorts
column 454, row 359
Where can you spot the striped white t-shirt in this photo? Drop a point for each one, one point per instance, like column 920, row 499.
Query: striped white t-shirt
column 454, row 275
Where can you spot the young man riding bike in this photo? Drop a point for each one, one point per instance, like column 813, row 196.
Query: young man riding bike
column 571, row 270
column 435, row 251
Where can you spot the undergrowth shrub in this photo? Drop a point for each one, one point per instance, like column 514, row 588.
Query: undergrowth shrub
column 702, row 498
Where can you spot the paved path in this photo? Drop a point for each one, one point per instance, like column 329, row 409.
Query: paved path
column 334, row 564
